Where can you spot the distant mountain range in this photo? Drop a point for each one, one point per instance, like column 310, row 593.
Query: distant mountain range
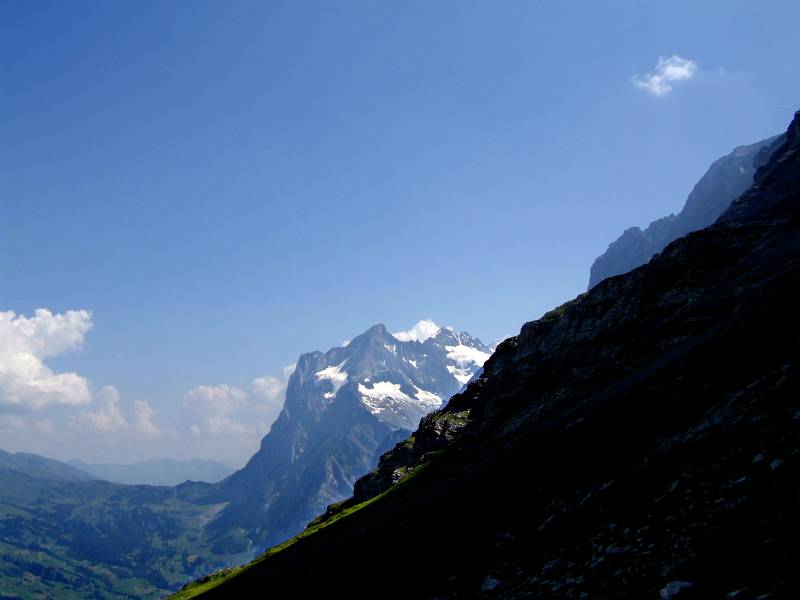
column 726, row 179
column 164, row 471
column 33, row 465
column 640, row 441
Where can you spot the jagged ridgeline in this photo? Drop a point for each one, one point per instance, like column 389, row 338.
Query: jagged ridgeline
column 66, row 533
column 640, row 441
column 726, row 179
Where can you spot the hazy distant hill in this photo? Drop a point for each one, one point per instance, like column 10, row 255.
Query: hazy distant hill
column 41, row 467
column 164, row 471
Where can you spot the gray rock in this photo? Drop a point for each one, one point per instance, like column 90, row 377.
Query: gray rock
column 489, row 584
column 554, row 568
column 674, row 589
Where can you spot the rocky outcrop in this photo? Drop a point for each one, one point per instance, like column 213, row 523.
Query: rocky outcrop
column 726, row 179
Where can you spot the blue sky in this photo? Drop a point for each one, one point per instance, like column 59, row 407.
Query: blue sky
column 227, row 185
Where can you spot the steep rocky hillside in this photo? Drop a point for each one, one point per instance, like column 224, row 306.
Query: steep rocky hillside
column 640, row 441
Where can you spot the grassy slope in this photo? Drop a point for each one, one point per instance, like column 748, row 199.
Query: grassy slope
column 219, row 578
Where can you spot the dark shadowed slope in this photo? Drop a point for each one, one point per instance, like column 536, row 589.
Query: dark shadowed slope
column 641, row 441
column 726, row 179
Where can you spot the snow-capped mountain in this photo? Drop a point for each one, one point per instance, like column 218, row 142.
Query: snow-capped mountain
column 343, row 409
column 398, row 378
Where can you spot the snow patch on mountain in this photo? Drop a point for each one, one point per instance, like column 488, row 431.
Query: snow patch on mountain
column 429, row 398
column 418, row 333
column 388, row 402
column 336, row 376
column 375, row 398
column 461, row 375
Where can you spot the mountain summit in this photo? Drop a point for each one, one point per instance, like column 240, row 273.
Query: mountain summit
column 343, row 409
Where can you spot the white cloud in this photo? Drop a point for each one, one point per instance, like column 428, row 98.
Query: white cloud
column 210, row 409
column 26, row 382
column 70, row 419
column 269, row 389
column 418, row 333
column 219, row 398
column 220, row 410
column 107, row 418
column 669, row 70
column 268, row 394
column 143, row 415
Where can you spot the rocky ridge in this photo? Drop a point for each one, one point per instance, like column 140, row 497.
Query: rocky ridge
column 726, row 179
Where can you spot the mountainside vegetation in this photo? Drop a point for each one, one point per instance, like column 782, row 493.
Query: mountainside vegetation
column 91, row 538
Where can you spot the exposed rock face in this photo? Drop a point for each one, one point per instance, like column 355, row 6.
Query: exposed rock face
column 726, row 179
column 343, row 409
column 777, row 183
column 640, row 441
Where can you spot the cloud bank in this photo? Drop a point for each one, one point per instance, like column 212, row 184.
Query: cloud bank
column 219, row 410
column 60, row 414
